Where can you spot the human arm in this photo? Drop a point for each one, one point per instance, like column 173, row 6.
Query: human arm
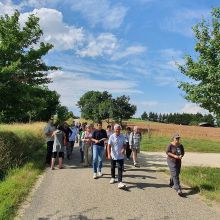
column 173, row 155
column 109, row 151
column 170, row 153
column 131, row 140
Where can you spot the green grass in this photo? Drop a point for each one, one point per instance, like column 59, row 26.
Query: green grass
column 15, row 187
column 17, row 182
column 204, row 179
column 159, row 143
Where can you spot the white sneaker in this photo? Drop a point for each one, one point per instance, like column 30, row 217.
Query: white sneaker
column 112, row 180
column 100, row 174
column 121, row 185
column 94, row 175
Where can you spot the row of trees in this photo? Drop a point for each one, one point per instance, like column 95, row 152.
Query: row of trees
column 23, row 73
column 96, row 106
column 177, row 118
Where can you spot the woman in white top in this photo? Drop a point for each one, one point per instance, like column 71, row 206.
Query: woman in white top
column 135, row 143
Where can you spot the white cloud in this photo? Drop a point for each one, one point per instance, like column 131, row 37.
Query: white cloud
column 61, row 35
column 132, row 50
column 101, row 12
column 38, row 3
column 182, row 21
column 192, row 108
column 147, row 104
column 164, row 80
column 71, row 86
column 7, row 7
column 104, row 44
column 170, row 53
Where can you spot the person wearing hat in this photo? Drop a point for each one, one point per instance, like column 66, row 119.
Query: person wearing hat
column 175, row 152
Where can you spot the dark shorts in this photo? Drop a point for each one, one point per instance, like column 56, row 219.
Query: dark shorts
column 61, row 154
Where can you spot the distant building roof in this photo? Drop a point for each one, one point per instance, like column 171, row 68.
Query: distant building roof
column 205, row 124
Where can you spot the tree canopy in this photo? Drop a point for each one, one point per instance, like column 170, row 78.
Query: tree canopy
column 96, row 106
column 23, row 73
column 204, row 70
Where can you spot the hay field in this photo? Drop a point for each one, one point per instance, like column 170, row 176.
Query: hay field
column 160, row 129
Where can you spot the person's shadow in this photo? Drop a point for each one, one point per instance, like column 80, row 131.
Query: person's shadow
column 190, row 191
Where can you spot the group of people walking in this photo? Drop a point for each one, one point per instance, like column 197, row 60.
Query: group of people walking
column 94, row 144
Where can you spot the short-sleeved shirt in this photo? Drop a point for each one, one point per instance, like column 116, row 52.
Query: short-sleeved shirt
column 117, row 143
column 98, row 135
column 49, row 129
column 135, row 140
column 73, row 135
column 58, row 145
column 177, row 150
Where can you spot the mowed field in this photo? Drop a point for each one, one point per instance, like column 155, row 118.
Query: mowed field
column 185, row 131
column 156, row 136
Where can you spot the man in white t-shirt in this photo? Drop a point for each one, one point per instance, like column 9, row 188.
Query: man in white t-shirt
column 116, row 151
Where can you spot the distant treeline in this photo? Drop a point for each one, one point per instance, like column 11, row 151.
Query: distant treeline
column 179, row 118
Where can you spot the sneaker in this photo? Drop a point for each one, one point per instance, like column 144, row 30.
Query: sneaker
column 121, row 185
column 128, row 158
column 112, row 180
column 100, row 174
column 94, row 175
column 179, row 192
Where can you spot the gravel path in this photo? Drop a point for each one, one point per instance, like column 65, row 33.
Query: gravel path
column 72, row 193
column 158, row 159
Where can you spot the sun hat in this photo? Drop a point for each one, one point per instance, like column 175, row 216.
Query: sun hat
column 176, row 135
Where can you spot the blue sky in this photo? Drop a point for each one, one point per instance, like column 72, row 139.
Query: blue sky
column 123, row 46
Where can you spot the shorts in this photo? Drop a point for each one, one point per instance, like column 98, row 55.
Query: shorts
column 61, row 154
column 136, row 149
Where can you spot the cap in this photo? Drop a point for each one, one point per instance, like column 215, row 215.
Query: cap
column 176, row 135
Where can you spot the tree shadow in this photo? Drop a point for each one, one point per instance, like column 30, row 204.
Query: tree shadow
column 79, row 216
column 143, row 186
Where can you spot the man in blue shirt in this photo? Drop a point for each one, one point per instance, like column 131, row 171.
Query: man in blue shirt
column 116, row 152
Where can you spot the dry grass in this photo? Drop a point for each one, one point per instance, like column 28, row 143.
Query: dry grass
column 195, row 132
column 24, row 129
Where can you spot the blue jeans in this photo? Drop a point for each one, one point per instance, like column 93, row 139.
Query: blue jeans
column 98, row 152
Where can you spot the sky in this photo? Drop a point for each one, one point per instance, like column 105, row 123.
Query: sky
column 125, row 47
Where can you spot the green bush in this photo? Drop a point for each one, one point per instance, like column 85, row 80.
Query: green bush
column 16, row 150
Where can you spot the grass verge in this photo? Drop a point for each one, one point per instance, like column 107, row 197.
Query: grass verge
column 159, row 143
column 204, row 179
column 18, row 181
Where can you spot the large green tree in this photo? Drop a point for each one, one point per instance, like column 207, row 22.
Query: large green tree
column 122, row 109
column 95, row 105
column 204, row 70
column 23, row 73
